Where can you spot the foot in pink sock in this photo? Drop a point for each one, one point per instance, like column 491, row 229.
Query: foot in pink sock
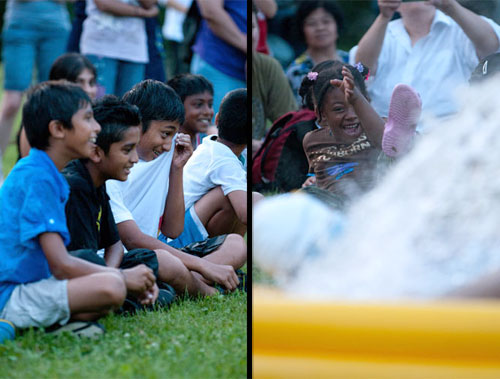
column 404, row 113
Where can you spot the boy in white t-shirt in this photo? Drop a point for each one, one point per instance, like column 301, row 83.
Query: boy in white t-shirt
column 215, row 181
column 152, row 198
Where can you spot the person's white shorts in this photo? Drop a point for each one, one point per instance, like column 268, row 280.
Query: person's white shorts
column 38, row 304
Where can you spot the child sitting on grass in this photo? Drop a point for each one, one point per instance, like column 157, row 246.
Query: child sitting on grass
column 152, row 198
column 40, row 283
column 89, row 217
column 197, row 96
column 345, row 154
column 215, row 182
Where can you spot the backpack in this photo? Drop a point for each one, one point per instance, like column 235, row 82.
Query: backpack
column 281, row 164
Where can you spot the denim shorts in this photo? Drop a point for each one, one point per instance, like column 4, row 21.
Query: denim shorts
column 117, row 76
column 222, row 83
column 23, row 46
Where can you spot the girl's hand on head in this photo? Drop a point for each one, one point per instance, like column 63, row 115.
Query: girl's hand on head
column 183, row 150
column 347, row 86
column 388, row 8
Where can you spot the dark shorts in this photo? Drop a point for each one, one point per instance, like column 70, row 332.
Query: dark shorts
column 130, row 259
column 203, row 248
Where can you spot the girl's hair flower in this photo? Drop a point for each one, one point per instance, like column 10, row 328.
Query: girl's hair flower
column 312, row 75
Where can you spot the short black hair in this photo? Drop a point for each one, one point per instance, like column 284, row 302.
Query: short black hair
column 68, row 66
column 156, row 101
column 190, row 84
column 321, row 85
column 232, row 119
column 115, row 117
column 51, row 101
column 306, row 86
column 305, row 8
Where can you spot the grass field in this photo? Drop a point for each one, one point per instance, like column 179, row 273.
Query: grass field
column 204, row 338
column 199, row 338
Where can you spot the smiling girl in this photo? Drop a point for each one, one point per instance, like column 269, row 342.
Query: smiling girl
column 345, row 153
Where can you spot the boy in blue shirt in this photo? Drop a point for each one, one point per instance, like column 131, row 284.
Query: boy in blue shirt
column 40, row 283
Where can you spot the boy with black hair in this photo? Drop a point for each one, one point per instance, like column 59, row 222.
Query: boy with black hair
column 215, row 182
column 152, row 198
column 40, row 283
column 90, row 220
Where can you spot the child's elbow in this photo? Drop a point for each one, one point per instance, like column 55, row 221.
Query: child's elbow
column 61, row 270
column 172, row 232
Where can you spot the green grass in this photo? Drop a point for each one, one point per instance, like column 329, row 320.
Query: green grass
column 195, row 338
column 201, row 338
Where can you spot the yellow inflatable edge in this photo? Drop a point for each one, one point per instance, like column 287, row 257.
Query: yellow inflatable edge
column 293, row 337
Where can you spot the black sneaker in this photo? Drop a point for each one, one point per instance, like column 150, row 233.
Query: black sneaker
column 164, row 300
column 87, row 329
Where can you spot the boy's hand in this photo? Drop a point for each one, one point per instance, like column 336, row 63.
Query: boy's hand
column 183, row 150
column 139, row 279
column 347, row 85
column 221, row 274
column 149, row 297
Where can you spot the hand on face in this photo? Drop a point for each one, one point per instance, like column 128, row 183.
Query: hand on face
column 183, row 150
column 347, row 85
column 388, row 7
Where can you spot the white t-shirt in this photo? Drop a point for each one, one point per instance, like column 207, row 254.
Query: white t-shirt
column 212, row 164
column 114, row 37
column 142, row 197
column 435, row 66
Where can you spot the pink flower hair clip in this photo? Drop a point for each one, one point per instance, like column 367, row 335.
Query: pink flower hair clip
column 312, row 76
column 359, row 66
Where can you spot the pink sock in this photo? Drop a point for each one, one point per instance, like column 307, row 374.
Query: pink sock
column 404, row 112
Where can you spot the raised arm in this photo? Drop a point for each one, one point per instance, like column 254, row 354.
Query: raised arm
column 478, row 30
column 173, row 214
column 221, row 23
column 373, row 125
column 370, row 45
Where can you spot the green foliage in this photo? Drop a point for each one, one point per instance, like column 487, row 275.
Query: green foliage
column 197, row 338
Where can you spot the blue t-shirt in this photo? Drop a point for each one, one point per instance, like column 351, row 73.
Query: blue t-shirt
column 218, row 53
column 32, row 201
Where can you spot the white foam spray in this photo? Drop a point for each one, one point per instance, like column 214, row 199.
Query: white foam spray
column 432, row 224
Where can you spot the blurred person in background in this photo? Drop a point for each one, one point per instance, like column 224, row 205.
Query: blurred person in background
column 220, row 48
column 319, row 24
column 34, row 33
column 114, row 39
column 434, row 47
column 270, row 98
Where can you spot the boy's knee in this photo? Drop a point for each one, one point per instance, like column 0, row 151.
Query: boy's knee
column 113, row 289
column 238, row 246
column 170, row 264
